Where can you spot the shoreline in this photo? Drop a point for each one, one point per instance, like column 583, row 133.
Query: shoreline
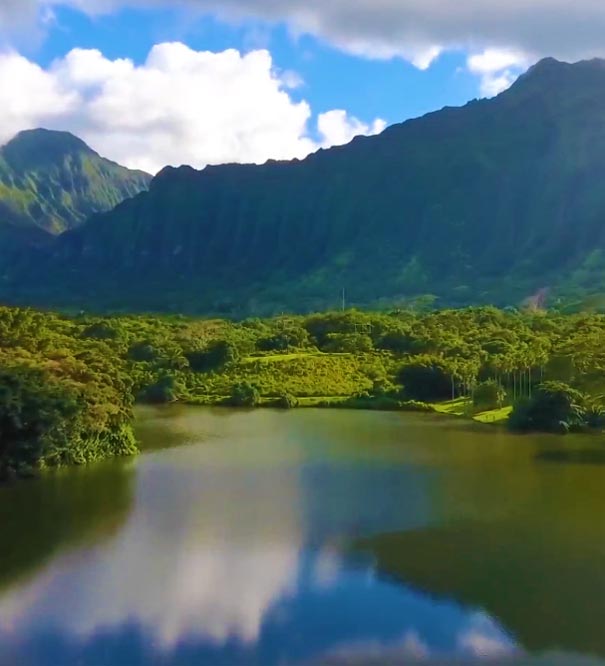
column 453, row 408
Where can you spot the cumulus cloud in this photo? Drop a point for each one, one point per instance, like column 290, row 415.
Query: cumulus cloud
column 497, row 68
column 180, row 107
column 26, row 93
column 337, row 127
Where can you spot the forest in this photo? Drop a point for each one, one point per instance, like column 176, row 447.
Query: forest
column 69, row 384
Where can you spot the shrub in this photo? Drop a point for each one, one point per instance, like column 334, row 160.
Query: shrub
column 595, row 416
column 163, row 391
column 100, row 331
column 348, row 343
column 383, row 387
column 488, row 395
column 286, row 401
column 555, row 407
column 294, row 337
column 47, row 421
column 426, row 379
column 415, row 406
column 395, row 341
column 217, row 355
column 244, row 394
column 142, row 352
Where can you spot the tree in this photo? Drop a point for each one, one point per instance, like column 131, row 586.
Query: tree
column 321, row 326
column 348, row 343
column 48, row 420
column 216, row 356
column 488, row 395
column 554, row 407
column 286, row 401
column 142, row 352
column 395, row 341
column 426, row 378
column 382, row 387
column 100, row 331
column 163, row 391
column 292, row 337
column 244, row 394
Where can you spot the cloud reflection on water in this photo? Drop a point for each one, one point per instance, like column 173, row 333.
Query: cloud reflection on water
column 176, row 571
column 232, row 555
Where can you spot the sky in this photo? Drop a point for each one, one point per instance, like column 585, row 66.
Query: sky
column 154, row 82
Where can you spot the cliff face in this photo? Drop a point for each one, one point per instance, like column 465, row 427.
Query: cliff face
column 485, row 203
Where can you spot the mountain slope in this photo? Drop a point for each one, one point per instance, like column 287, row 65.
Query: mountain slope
column 54, row 181
column 489, row 202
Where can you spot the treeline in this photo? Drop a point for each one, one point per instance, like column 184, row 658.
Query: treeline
column 68, row 384
column 64, row 398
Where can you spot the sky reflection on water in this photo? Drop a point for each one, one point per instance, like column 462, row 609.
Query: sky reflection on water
column 236, row 551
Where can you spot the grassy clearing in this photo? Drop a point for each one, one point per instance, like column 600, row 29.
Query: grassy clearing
column 458, row 407
column 304, row 375
column 463, row 407
column 497, row 416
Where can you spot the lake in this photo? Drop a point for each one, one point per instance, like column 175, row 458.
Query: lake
column 310, row 537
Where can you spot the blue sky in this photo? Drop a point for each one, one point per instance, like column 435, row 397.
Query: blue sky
column 155, row 82
column 391, row 89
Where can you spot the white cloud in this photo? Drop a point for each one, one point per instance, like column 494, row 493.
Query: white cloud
column 181, row 106
column 26, row 93
column 497, row 68
column 337, row 127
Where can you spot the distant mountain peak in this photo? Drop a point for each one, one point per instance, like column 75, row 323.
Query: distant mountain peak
column 547, row 65
column 49, row 136
column 550, row 71
column 52, row 180
column 42, row 146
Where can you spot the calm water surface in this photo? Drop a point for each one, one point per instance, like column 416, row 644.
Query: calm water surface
column 309, row 537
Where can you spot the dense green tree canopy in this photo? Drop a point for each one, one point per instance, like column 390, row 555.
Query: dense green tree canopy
column 68, row 383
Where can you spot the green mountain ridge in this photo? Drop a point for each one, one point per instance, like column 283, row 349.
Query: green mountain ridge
column 491, row 202
column 53, row 181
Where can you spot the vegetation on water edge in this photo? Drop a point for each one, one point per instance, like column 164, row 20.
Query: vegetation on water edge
column 68, row 384
column 65, row 398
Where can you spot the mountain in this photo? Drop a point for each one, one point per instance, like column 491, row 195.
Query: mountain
column 53, row 181
column 491, row 202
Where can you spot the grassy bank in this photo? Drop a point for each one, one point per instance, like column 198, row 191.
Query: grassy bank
column 463, row 407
